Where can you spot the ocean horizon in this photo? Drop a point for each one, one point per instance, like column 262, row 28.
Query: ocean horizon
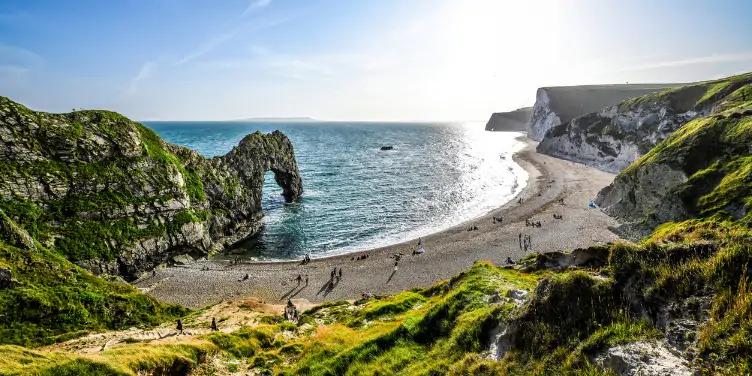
column 358, row 197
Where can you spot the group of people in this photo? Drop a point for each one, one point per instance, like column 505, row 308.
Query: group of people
column 306, row 259
column 299, row 279
column 531, row 223
column 473, row 228
column 291, row 312
column 499, row 220
column 526, row 242
column 179, row 326
column 558, row 216
column 360, row 256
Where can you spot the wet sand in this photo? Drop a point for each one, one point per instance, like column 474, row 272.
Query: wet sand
column 446, row 253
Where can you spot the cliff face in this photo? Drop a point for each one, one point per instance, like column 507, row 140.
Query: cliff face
column 614, row 137
column 513, row 121
column 112, row 196
column 559, row 105
column 702, row 169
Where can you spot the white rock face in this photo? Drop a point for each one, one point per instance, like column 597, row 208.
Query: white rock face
column 615, row 137
column 544, row 117
column 642, row 359
column 558, row 105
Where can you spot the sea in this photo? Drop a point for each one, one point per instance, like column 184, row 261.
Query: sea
column 358, row 197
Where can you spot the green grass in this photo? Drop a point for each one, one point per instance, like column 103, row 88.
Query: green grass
column 128, row 360
column 56, row 300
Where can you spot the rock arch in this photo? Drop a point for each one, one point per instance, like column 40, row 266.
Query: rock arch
column 258, row 153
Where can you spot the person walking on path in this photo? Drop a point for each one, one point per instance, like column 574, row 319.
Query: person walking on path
column 179, row 327
column 214, row 325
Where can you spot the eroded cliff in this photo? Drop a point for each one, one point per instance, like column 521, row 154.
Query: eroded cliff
column 559, row 105
column 112, row 196
column 512, row 121
column 701, row 170
column 614, row 137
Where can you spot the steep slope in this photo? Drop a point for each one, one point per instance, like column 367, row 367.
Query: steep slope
column 513, row 121
column 44, row 298
column 701, row 170
column 614, row 137
column 559, row 105
column 110, row 195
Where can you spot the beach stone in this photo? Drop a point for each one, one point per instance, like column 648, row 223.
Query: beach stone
column 130, row 200
column 182, row 259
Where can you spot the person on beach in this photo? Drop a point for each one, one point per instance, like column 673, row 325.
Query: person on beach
column 306, row 279
column 509, row 260
column 246, row 277
column 418, row 240
column 179, row 327
column 340, row 273
column 299, row 279
column 214, row 325
column 154, row 273
column 520, row 238
column 331, row 275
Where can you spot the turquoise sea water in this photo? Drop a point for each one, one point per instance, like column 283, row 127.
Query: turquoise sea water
column 357, row 197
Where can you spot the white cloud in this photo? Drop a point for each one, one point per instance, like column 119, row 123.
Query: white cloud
column 207, row 46
column 255, row 5
column 19, row 58
column 146, row 71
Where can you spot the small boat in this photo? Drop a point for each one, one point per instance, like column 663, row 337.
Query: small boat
column 387, row 148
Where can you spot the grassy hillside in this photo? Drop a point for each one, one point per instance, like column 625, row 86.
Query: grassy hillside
column 694, row 271
column 53, row 300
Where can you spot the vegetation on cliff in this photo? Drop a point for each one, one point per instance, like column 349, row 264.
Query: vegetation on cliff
column 708, row 159
column 52, row 300
column 112, row 196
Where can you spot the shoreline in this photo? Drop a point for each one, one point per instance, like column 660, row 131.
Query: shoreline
column 448, row 251
column 521, row 137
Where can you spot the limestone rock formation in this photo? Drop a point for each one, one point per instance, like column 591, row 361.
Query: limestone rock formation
column 559, row 105
column 112, row 196
column 614, row 137
column 513, row 121
column 700, row 170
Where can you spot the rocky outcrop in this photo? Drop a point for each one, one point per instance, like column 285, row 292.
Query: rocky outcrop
column 513, row 121
column 614, row 137
column 591, row 257
column 559, row 105
column 700, row 170
column 112, row 196
column 6, row 279
column 642, row 358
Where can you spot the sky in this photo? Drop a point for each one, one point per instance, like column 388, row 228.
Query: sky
column 380, row 60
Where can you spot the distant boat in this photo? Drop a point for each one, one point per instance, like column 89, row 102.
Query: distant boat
column 387, row 147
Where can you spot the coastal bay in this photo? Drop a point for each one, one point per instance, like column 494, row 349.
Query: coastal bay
column 447, row 252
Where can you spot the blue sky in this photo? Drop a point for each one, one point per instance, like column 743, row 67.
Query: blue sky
column 352, row 60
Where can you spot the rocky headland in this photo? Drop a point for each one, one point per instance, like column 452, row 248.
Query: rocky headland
column 113, row 197
column 614, row 137
column 512, row 121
